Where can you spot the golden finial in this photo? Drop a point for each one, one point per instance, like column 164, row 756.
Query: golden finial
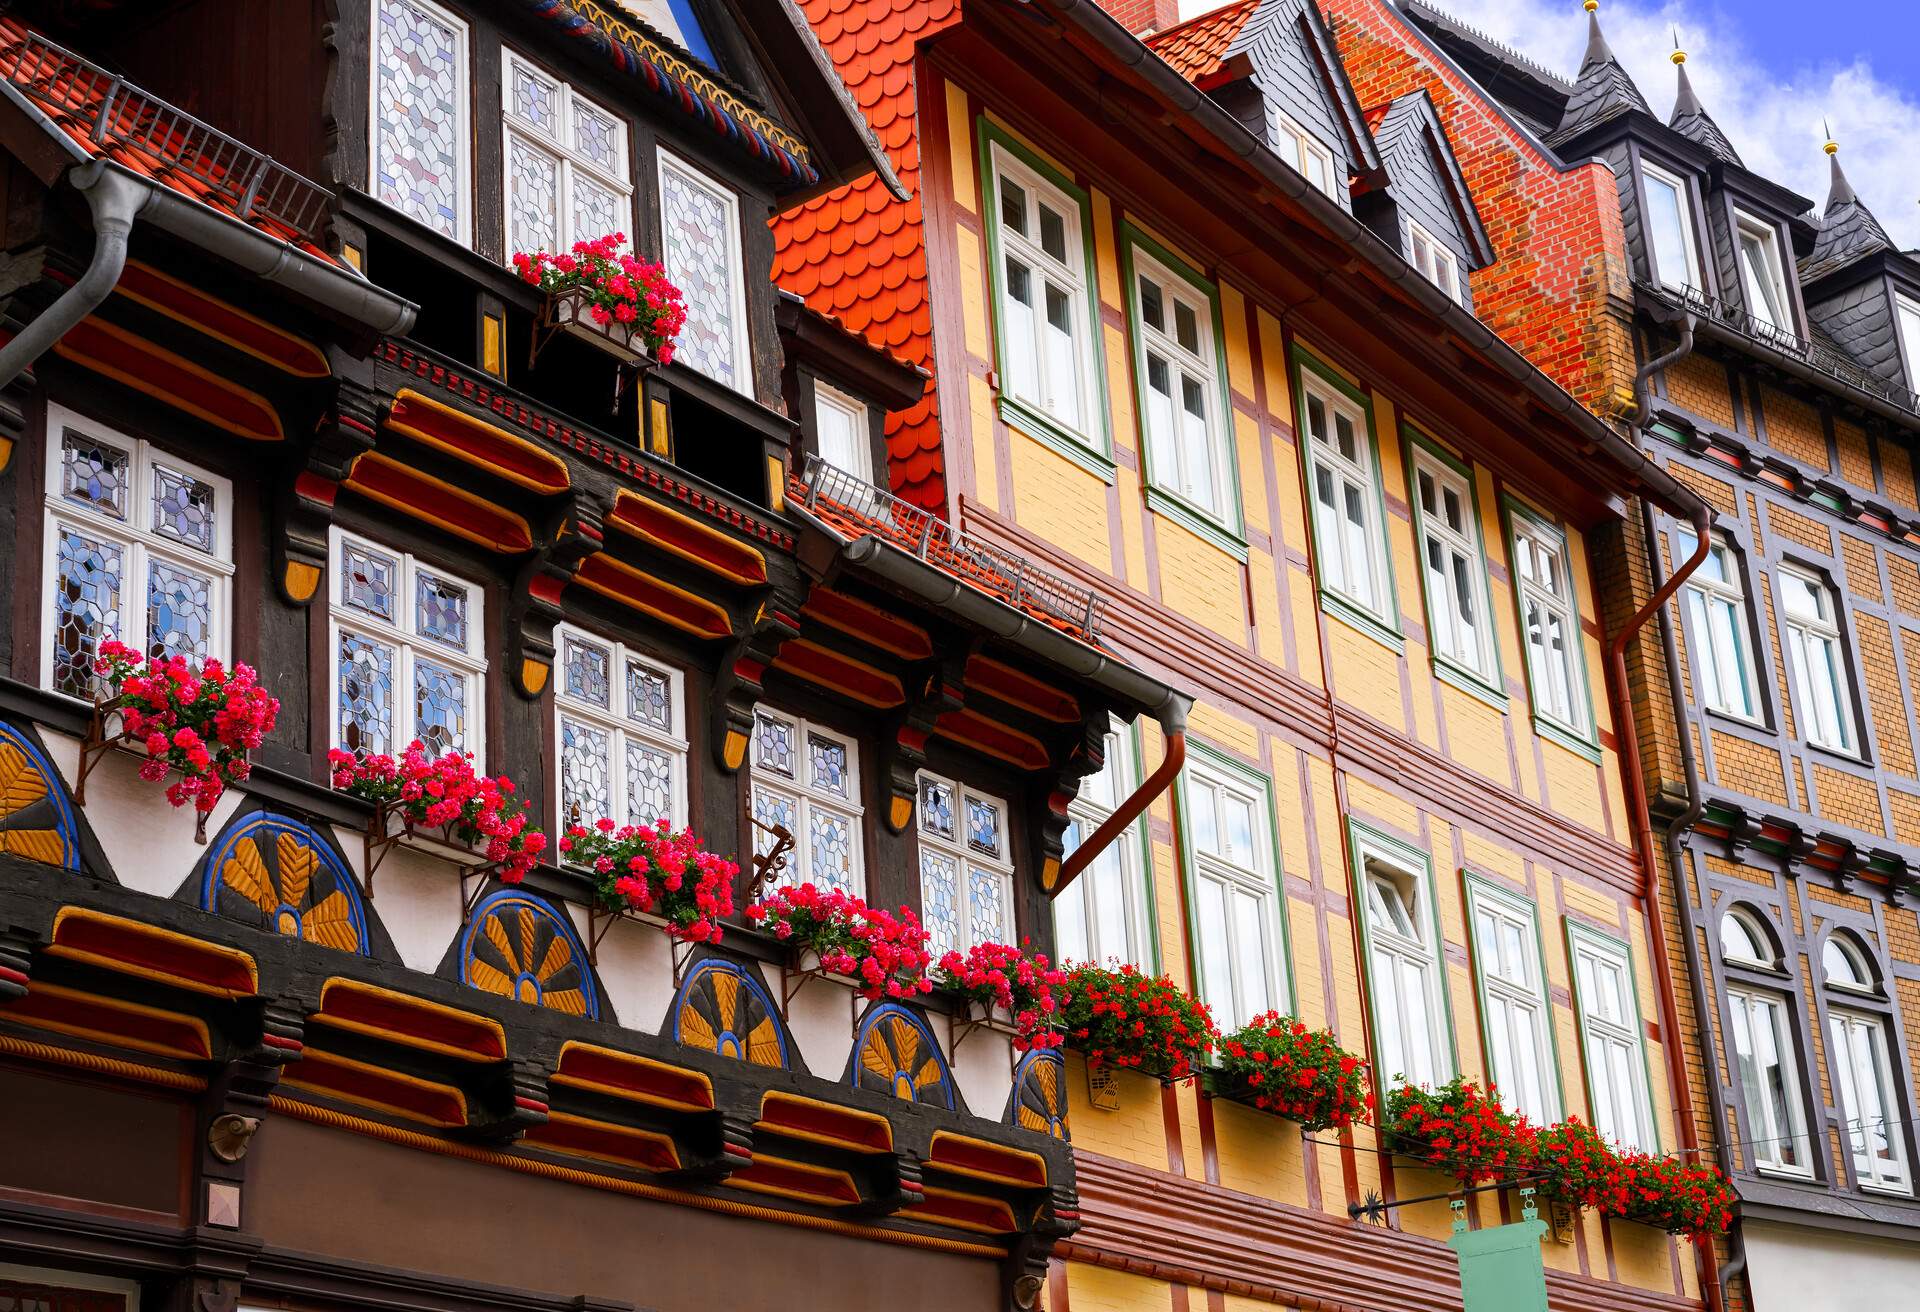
column 1591, row 5
column 1678, row 56
column 1832, row 147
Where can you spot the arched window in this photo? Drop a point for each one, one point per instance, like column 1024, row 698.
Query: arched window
column 1743, row 942
column 1845, row 965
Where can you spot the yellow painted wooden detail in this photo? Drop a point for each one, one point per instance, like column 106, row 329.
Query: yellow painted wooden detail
column 986, row 465
column 1102, row 1289
column 973, row 294
column 1233, row 311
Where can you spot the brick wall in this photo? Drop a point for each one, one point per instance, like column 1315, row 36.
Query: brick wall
column 1144, row 15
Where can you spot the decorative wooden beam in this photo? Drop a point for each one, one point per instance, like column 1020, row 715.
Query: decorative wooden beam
column 534, row 606
column 738, row 686
column 309, row 483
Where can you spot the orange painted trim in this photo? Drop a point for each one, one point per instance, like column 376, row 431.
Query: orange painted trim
column 824, row 1122
column 384, row 479
column 132, row 1025
column 477, row 442
column 212, row 317
column 987, row 1216
column 683, row 536
column 971, row 729
column 46, row 1053
column 869, row 624
column 798, row 1180
column 349, row 1004
column 655, row 597
column 1022, row 690
column 843, row 674
column 132, row 948
column 112, row 351
column 625, row 1075
column 964, row 1155
column 603, row 1141
column 373, row 1086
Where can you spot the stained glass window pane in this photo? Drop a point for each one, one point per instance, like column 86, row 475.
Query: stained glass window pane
column 420, row 78
column 440, row 707
column 986, row 912
column 649, row 784
column 585, row 666
column 94, row 474
column 367, row 579
column 535, row 99
column 179, row 611
column 703, row 261
column 533, row 197
column 983, row 826
column 596, row 210
column 827, row 764
column 366, row 694
column 939, row 900
column 585, row 791
column 442, row 610
column 936, row 807
column 182, row 507
column 599, row 138
column 86, row 608
column 773, row 745
column 773, row 811
column 829, row 849
column 647, row 697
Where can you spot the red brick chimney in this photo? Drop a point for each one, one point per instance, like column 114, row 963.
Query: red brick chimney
column 1142, row 16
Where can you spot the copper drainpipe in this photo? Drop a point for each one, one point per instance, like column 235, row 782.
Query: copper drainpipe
column 1174, row 722
column 1642, row 816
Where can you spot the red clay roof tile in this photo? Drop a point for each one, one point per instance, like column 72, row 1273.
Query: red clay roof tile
column 1196, row 47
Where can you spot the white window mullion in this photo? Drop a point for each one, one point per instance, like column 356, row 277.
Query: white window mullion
column 1508, row 960
column 1775, row 1127
column 1451, row 562
column 561, row 146
column 1047, row 353
column 1184, row 427
column 1818, row 660
column 966, row 865
column 1234, row 881
column 1875, row 1131
column 806, row 779
column 1549, row 623
column 1350, row 541
column 1610, row 1026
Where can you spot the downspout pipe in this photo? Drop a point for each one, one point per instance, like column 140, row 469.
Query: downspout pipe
column 116, row 199
column 1128, row 811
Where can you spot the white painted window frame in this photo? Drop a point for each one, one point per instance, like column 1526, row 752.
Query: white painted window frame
column 1304, row 147
column 1331, row 541
column 859, row 419
column 1082, row 922
column 742, row 333
column 567, row 158
column 967, row 858
column 1906, row 316
column 1711, row 665
column 1527, row 1000
column 1766, row 1140
column 1433, row 525
column 1440, row 266
column 1831, row 727
column 1254, row 875
column 1548, row 538
column 1689, row 243
column 807, row 798
column 1411, row 883
column 1603, row 1038
column 617, row 722
column 1202, row 364
column 1772, row 275
column 1845, row 1028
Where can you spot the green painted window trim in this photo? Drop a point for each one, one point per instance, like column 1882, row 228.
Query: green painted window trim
column 1575, row 932
column 1361, row 836
column 1093, row 451
column 1214, row 759
column 1585, row 744
column 1382, row 625
column 1488, row 688
column 1480, row 888
column 1226, row 528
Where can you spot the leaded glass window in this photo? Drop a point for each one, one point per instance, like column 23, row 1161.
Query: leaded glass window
column 700, row 234
column 408, row 661
column 966, row 866
column 137, row 550
column 566, row 171
column 419, row 115
column 622, row 733
column 806, row 780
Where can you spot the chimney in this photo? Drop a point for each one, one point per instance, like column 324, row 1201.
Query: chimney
column 1142, row 16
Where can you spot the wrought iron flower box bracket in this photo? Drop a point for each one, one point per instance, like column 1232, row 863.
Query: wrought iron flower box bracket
column 569, row 311
column 978, row 1016
column 98, row 742
column 600, row 919
column 383, row 835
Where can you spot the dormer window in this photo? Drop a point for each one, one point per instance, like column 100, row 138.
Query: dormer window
column 1762, row 276
column 1676, row 263
column 1434, row 261
column 566, row 162
column 840, row 430
column 1909, row 316
column 1306, row 153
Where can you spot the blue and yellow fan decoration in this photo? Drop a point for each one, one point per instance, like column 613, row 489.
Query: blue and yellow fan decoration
column 722, row 1008
column 36, row 819
column 517, row 946
column 895, row 1053
column 1039, row 1101
column 275, row 872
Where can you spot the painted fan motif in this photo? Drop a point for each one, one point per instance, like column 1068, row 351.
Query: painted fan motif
column 1040, row 1095
column 281, row 875
column 36, row 821
column 897, row 1054
column 723, row 1009
column 518, row 948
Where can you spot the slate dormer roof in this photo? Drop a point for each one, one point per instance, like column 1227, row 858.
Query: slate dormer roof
column 1603, row 91
column 1419, row 159
column 1691, row 120
column 1848, row 230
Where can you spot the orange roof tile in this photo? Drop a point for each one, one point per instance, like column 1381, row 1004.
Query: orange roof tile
column 1196, row 47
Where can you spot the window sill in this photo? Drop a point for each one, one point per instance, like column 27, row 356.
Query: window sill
column 1355, row 616
column 1855, row 759
column 1752, row 724
column 1163, row 502
column 1784, row 1174
column 1555, row 732
column 1450, row 671
column 1056, row 437
column 1887, row 1190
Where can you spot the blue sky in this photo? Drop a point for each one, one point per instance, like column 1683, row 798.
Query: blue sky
column 1879, row 33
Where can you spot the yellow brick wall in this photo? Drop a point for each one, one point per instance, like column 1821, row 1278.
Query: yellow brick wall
column 1699, row 385
column 1856, row 461
column 1793, row 428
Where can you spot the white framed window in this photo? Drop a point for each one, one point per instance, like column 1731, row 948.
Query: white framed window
column 1762, row 275
column 565, row 169
column 1864, row 1078
column 1513, row 995
column 1180, row 381
column 1719, row 628
column 966, row 866
column 1907, row 312
column 806, row 780
column 1744, row 943
column 139, row 548
column 1676, row 261
column 419, row 93
column 1235, row 891
column 409, row 652
column 842, row 432
column 1822, row 690
column 1436, row 263
column 1452, row 563
column 1307, row 153
column 620, row 723
column 1844, row 966
column 1610, row 1035
column 1549, row 622
column 1403, row 961
column 700, row 239
column 1103, row 915
column 1040, row 285
column 1352, row 544
column 1775, row 1126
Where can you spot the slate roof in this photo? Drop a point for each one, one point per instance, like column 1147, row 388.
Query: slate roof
column 1409, row 133
column 1603, row 90
column 1848, row 230
column 1691, row 120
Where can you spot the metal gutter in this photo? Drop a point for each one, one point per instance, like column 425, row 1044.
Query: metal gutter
column 116, row 202
column 1634, row 465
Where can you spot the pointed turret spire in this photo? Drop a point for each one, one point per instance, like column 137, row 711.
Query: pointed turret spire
column 1690, row 118
column 1848, row 230
column 1603, row 90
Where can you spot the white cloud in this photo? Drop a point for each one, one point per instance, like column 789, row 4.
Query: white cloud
column 1772, row 115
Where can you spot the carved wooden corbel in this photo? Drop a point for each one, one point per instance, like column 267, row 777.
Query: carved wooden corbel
column 513, row 1102
column 738, row 687
column 310, row 483
column 1088, row 757
column 903, row 753
column 578, row 532
column 1024, row 1270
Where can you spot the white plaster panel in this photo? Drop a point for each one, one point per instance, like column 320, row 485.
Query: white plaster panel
column 416, row 897
column 636, row 971
column 821, row 1018
column 982, row 1064
column 1804, row 1269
